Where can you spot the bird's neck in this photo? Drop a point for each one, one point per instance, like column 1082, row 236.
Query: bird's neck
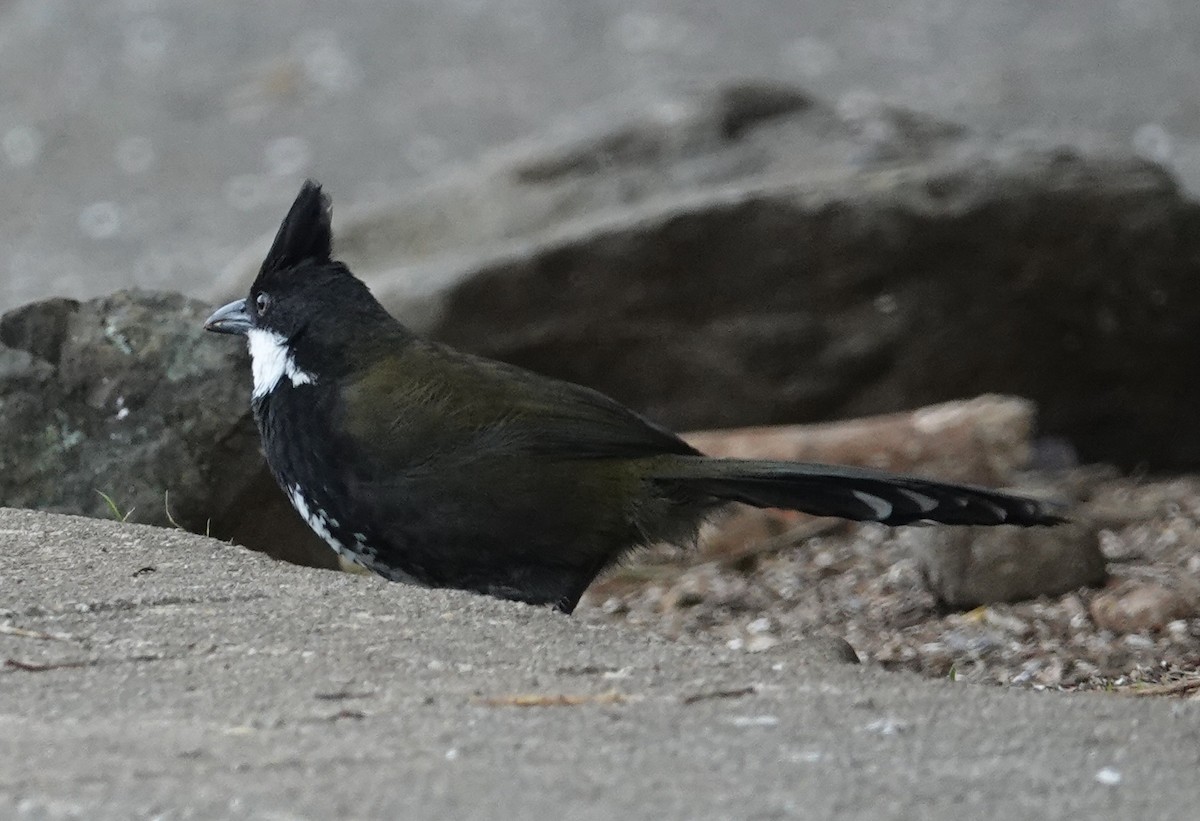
column 272, row 361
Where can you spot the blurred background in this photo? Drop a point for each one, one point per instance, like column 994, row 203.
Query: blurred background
column 147, row 142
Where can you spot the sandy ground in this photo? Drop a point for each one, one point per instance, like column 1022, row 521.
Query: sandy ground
column 150, row 673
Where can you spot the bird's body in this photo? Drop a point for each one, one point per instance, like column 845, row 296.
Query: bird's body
column 425, row 464
column 433, row 490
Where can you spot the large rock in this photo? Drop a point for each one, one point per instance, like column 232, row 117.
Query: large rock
column 751, row 256
column 126, row 397
column 746, row 255
column 965, row 567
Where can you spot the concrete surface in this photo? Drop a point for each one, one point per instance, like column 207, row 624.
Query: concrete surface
column 148, row 141
column 148, row 673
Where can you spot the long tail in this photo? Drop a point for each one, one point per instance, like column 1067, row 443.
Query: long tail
column 855, row 493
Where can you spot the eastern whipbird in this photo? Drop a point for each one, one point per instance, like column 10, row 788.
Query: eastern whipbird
column 427, row 465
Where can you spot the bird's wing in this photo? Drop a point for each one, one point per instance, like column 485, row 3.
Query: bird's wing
column 466, row 472
column 433, row 401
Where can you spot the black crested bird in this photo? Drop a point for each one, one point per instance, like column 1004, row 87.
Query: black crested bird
column 428, row 465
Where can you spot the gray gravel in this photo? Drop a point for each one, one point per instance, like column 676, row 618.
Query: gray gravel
column 150, row 673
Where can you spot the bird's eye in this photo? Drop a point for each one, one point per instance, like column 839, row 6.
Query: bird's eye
column 261, row 302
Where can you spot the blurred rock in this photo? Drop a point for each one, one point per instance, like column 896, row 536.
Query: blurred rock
column 965, row 567
column 985, row 441
column 750, row 255
column 127, row 396
column 834, row 649
column 1135, row 606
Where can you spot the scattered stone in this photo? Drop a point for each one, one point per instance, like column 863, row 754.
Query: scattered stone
column 1141, row 607
column 830, row 648
column 970, row 566
column 862, row 582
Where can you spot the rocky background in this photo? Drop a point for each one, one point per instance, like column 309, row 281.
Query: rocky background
column 721, row 218
column 146, row 142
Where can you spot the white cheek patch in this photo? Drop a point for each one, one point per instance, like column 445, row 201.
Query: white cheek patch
column 270, row 361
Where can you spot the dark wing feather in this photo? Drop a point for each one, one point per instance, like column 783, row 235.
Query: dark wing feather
column 434, row 400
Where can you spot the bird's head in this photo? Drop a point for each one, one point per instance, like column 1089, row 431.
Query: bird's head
column 304, row 309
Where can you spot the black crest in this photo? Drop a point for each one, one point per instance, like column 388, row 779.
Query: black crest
column 305, row 232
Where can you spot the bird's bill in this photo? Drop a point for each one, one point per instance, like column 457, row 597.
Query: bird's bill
column 229, row 319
